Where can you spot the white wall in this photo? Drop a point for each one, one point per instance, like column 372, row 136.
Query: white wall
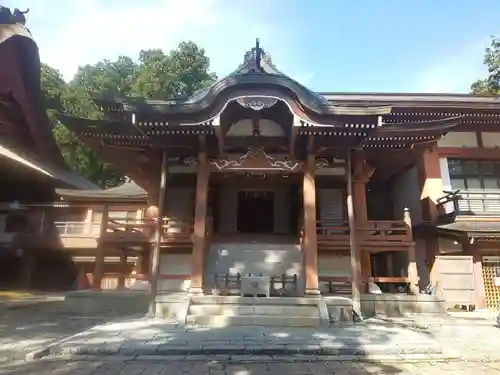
column 334, row 265
column 445, row 173
column 491, row 140
column 175, row 264
column 406, row 194
column 459, row 139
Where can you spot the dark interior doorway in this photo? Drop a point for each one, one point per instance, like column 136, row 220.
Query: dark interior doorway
column 255, row 212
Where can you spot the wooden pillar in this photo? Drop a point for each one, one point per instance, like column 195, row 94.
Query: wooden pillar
column 99, row 257
column 478, row 276
column 28, row 262
column 155, row 258
column 88, row 222
column 354, row 261
column 431, row 184
column 141, row 266
column 360, row 211
column 310, row 249
column 123, row 269
column 200, row 226
column 412, row 259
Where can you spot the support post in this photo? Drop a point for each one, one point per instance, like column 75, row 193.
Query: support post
column 200, row 226
column 478, row 276
column 88, row 222
column 310, row 248
column 360, row 211
column 353, row 245
column 27, row 268
column 99, row 257
column 155, row 261
column 123, row 269
column 412, row 258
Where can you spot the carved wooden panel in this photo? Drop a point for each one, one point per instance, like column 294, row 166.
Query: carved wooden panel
column 491, row 275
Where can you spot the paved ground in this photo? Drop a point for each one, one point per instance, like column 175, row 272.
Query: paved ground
column 149, row 337
column 26, row 328
column 473, row 337
column 214, row 367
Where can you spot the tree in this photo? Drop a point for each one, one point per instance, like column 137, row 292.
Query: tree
column 179, row 73
column 490, row 85
column 61, row 98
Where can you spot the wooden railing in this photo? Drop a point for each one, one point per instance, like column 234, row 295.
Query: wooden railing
column 342, row 285
column 77, row 228
column 173, row 231
column 469, row 203
column 373, row 235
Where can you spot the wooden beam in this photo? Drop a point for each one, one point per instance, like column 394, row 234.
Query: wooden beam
column 469, row 153
column 200, row 226
column 412, row 257
column 123, row 269
column 310, row 144
column 99, row 258
column 220, row 140
column 293, row 139
column 155, row 261
column 310, row 249
column 355, row 265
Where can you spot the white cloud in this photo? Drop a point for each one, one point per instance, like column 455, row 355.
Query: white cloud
column 454, row 72
column 77, row 32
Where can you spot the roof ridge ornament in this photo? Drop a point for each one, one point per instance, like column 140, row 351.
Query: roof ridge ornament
column 11, row 18
column 258, row 54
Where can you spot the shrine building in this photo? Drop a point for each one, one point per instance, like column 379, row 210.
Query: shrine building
column 260, row 187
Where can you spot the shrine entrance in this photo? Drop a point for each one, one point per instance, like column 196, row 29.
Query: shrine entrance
column 256, row 211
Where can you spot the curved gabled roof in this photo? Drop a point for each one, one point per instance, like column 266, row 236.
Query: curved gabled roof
column 257, row 62
column 8, row 31
column 256, row 76
column 127, row 191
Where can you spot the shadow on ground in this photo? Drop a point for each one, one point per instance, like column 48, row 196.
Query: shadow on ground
column 29, row 327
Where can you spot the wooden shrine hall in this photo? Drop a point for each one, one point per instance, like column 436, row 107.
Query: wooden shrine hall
column 259, row 176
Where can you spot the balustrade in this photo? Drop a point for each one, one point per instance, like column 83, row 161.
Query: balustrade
column 372, row 236
column 468, row 203
column 342, row 284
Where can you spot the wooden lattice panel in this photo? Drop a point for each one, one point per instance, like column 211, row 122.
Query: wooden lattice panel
column 491, row 291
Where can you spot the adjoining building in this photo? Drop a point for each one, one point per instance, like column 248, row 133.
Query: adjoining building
column 31, row 166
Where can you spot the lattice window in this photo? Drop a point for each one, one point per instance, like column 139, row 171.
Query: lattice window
column 491, row 292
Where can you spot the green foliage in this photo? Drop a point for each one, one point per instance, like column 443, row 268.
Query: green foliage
column 490, row 85
column 156, row 74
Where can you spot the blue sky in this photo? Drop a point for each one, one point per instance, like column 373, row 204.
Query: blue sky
column 328, row 45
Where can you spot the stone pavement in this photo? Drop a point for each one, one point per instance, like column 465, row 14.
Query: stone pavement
column 259, row 367
column 156, row 337
column 13, row 302
column 472, row 336
column 29, row 327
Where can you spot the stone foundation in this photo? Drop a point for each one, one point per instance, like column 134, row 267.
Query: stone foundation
column 394, row 305
column 107, row 303
column 335, row 309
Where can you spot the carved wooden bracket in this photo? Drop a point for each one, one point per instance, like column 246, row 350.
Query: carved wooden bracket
column 364, row 172
column 253, row 160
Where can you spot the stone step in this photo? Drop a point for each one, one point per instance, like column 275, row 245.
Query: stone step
column 268, row 310
column 253, row 301
column 253, row 320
